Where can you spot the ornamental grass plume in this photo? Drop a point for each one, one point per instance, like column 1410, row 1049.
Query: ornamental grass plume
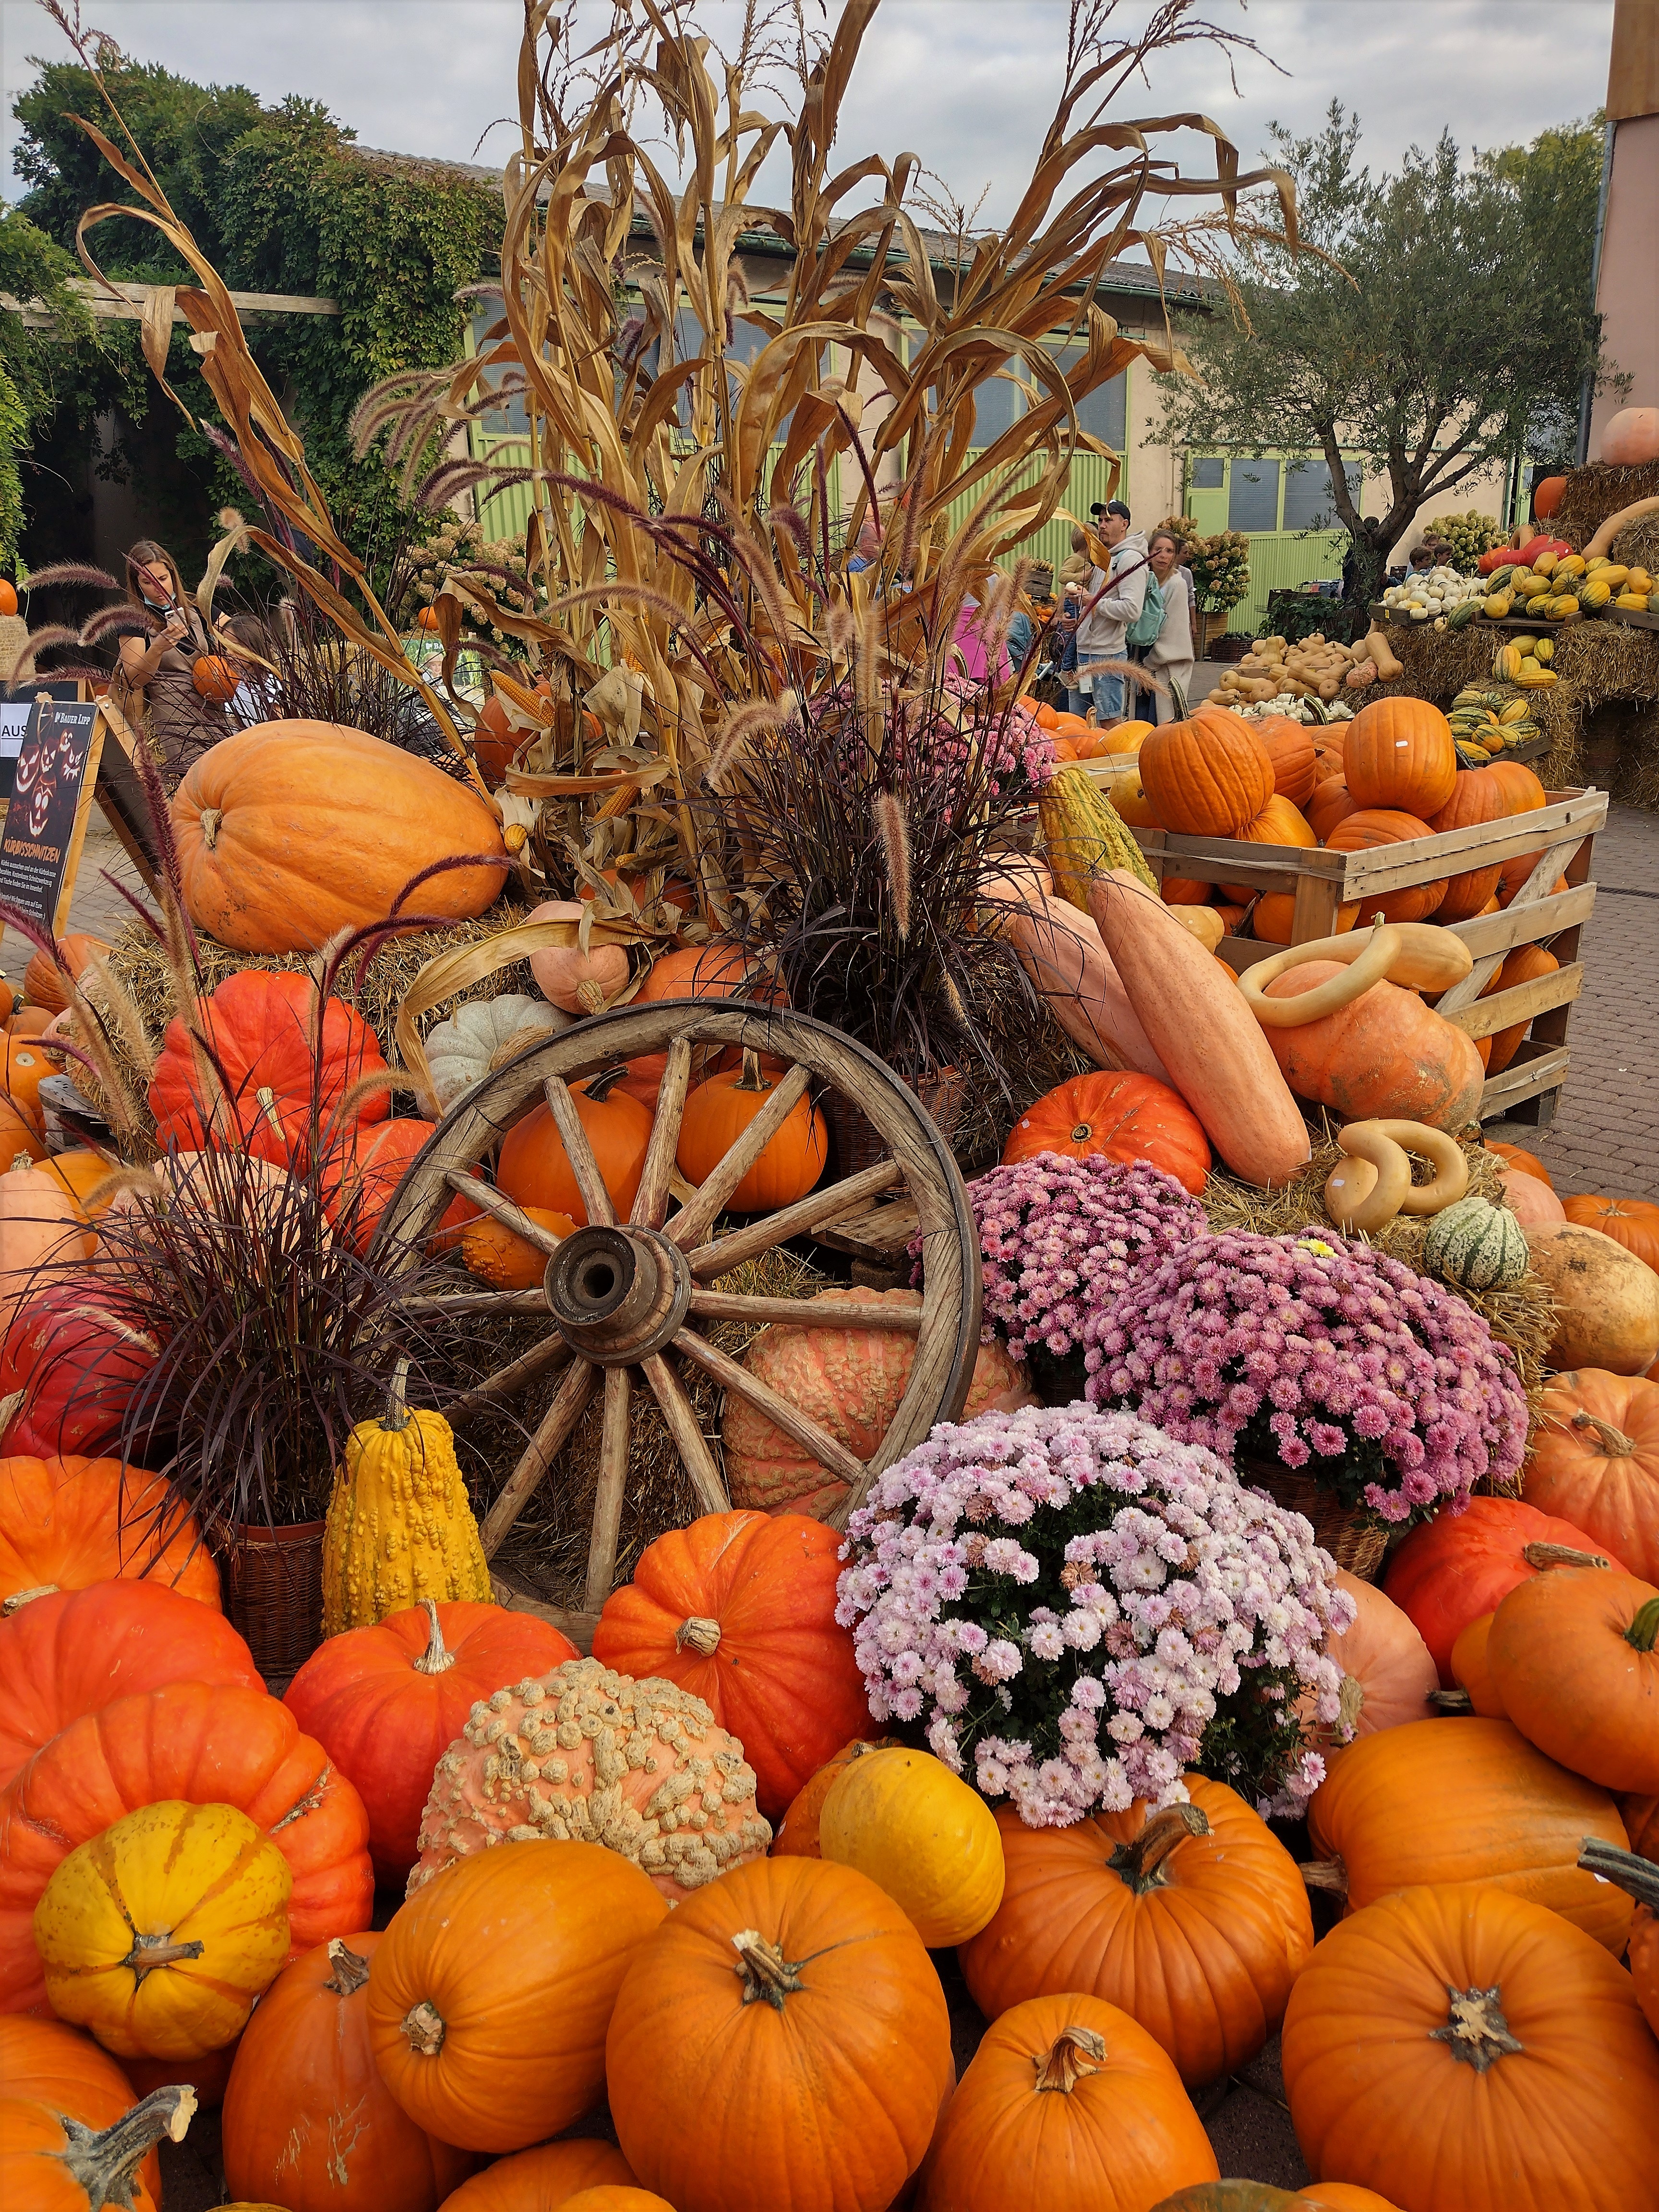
column 1071, row 1609
column 1323, row 1355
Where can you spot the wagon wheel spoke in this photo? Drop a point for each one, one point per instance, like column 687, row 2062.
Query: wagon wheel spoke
column 802, row 1313
column 555, row 1425
column 499, row 1304
column 500, row 1208
column 613, row 1480
column 681, row 1416
column 833, row 1457
column 697, row 1217
column 651, row 1201
column 596, row 1199
column 711, row 1260
column 507, row 1381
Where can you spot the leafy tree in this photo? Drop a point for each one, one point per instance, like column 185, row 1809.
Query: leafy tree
column 40, row 369
column 1430, row 330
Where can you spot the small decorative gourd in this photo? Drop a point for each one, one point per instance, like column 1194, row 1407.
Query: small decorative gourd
column 400, row 1526
column 483, row 1036
column 1476, row 1245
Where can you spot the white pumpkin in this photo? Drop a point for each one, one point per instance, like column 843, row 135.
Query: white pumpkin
column 484, row 1035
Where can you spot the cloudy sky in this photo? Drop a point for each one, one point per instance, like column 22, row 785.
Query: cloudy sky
column 967, row 84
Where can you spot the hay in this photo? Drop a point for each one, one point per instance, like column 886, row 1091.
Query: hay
column 1638, row 544
column 547, row 1546
column 1033, row 1051
column 1593, row 494
column 1522, row 1316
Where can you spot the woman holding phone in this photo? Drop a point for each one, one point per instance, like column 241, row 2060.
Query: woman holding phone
column 161, row 672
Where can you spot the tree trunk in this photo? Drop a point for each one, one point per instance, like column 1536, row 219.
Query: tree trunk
column 1363, row 570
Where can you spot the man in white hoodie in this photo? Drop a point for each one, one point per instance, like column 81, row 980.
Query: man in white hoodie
column 1122, row 589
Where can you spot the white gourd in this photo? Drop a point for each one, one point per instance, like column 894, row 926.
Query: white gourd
column 484, row 1035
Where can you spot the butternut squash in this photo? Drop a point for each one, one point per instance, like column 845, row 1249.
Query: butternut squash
column 1199, row 1027
column 1061, row 949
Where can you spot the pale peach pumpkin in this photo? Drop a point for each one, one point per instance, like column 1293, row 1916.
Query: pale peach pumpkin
column 849, row 1380
column 1387, row 1671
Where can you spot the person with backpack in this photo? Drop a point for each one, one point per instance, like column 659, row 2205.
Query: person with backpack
column 1169, row 655
column 1114, row 604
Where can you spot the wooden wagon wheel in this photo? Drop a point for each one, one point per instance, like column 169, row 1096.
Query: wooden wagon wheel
column 625, row 1298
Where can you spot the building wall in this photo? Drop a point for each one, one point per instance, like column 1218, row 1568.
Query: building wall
column 1627, row 287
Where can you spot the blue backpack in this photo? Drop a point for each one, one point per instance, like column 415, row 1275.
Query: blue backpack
column 1144, row 630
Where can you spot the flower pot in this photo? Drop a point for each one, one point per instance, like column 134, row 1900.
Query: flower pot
column 858, row 1145
column 1355, row 1539
column 274, row 1595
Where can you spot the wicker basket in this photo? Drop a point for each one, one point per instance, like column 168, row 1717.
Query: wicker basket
column 274, row 1597
column 857, row 1144
column 1353, row 1537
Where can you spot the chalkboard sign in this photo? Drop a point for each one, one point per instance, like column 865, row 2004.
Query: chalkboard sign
column 53, row 775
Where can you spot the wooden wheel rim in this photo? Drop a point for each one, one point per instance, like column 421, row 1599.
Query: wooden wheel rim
column 947, row 1338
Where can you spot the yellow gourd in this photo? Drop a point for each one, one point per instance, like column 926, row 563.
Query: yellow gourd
column 1595, row 592
column 1086, row 835
column 400, row 1526
column 159, row 1934
column 904, row 1820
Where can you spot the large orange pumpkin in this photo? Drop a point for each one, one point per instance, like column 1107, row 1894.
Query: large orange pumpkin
column 66, row 1522
column 1524, row 965
column 1479, row 796
column 70, row 1651
column 797, row 1837
column 1399, row 752
column 719, row 969
column 371, row 1159
column 52, row 2161
column 1443, row 1801
column 1280, row 822
column 790, row 1986
column 1607, row 1300
column 1384, row 1056
column 1451, row 1570
column 387, row 1702
column 1193, row 1920
column 199, row 1743
column 1370, row 830
column 43, row 979
column 291, row 830
column 1521, row 787
column 1461, row 2050
column 306, row 2116
column 534, row 1168
column 739, row 1609
column 544, row 2178
column 1068, row 2105
column 1291, row 750
column 1632, row 1222
column 718, row 1112
column 1595, row 1460
column 1572, row 1656
column 1631, row 437
column 1117, row 1117
column 1208, row 775
column 1471, row 1673
column 460, row 2023
column 43, row 2062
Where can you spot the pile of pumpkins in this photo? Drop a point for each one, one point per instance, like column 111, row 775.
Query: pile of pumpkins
column 684, row 1879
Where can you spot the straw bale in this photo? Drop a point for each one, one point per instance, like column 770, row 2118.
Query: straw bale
column 1593, row 494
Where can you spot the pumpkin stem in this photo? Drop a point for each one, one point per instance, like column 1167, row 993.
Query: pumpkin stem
column 1560, row 1555
column 751, row 1078
column 1350, row 1704
column 1644, row 1631
column 18, row 1599
column 350, row 1972
column 1326, row 1874
column 424, row 2029
column 763, row 1970
column 703, row 1636
column 437, row 1658
column 149, row 1951
column 1451, row 1701
column 396, row 1415
column 1476, row 2031
column 1613, row 1443
column 211, row 817
column 1074, row 2052
column 589, row 997
column 21, row 1162
column 103, row 2161
column 1141, row 1862
column 1639, row 1876
column 266, row 1100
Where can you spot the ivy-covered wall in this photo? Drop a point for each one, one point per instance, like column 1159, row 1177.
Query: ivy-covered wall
column 280, row 200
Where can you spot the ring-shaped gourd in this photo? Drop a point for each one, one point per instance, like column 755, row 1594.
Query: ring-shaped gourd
column 1366, row 1190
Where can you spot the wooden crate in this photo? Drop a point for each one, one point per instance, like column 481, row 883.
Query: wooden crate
column 1321, row 883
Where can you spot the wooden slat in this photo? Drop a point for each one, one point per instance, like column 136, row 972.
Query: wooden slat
column 1540, row 878
column 876, row 1233
column 512, row 1594
column 1520, row 1002
column 709, row 1260
column 802, row 1313
column 613, row 1482
column 681, row 1416
column 1524, row 1078
column 830, row 1455
column 651, row 1200
column 1419, row 859
column 698, row 1214
column 508, row 1381
column 596, row 1199
column 501, row 1209
column 1525, row 925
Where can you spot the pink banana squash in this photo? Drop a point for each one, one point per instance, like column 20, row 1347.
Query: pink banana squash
column 1199, row 1026
column 1062, row 952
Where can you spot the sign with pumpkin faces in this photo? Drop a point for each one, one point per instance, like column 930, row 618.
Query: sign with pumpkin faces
column 53, row 777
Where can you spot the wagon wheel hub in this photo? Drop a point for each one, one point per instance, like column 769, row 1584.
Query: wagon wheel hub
column 618, row 1294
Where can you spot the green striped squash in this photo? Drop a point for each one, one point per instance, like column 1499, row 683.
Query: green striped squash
column 1476, row 1245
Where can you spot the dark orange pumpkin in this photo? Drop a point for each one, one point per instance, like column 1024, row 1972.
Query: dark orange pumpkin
column 717, row 1113
column 43, row 979
column 1186, row 890
column 1372, row 828
column 1632, row 1222
column 797, row 1836
column 1291, row 750
column 1116, row 1115
column 1573, row 1656
column 1399, row 753
column 1524, row 965
column 719, row 969
column 1386, row 1055
column 1479, row 796
column 370, row 1159
column 534, row 1170
column 1208, row 775
column 66, row 1522
column 1280, row 822
column 542, row 2179
column 43, row 2061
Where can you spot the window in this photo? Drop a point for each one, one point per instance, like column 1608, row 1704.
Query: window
column 1104, row 413
column 1253, row 498
column 1209, row 472
column 1309, row 503
column 512, row 420
column 995, row 404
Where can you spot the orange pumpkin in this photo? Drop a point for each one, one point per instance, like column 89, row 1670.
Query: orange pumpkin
column 290, row 831
column 544, row 2178
column 1472, row 1675
column 1524, row 965
column 371, row 1158
column 50, row 2161
column 1367, row 831
column 1208, row 775
column 1573, row 1657
column 719, row 969
column 1479, row 796
column 1632, row 1222
column 30, row 1021
column 1516, row 1156
column 720, row 1110
column 1068, row 2105
column 1185, row 890
column 1546, row 496
column 1459, row 2049
column 1631, row 437
column 831, row 1984
column 66, row 1522
column 1389, row 1673
column 495, row 740
column 1193, row 1920
column 1291, row 750
column 1278, row 823
column 1521, row 787
column 797, row 1836
column 459, row 2020
column 1384, row 1056
column 81, row 1173
column 43, row 2061
column 1595, row 1462
column 491, row 1250
column 534, row 1170
column 43, row 979
column 308, row 2118
column 216, row 678
column 1399, row 753
column 1273, row 917
column 1116, row 1116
